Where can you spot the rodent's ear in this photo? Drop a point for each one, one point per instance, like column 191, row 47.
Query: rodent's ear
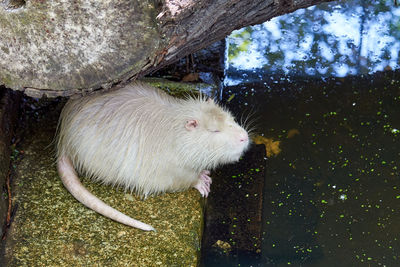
column 210, row 100
column 191, row 125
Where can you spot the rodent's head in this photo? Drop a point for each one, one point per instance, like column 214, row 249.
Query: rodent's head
column 214, row 129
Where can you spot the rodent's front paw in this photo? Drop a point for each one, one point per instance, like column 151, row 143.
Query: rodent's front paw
column 204, row 182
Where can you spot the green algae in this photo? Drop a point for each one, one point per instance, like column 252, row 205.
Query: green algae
column 179, row 89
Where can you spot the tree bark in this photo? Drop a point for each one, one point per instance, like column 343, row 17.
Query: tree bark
column 61, row 48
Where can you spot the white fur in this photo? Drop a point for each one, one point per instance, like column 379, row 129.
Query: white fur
column 136, row 137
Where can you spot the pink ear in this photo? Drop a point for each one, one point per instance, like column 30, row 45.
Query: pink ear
column 191, row 125
column 210, row 100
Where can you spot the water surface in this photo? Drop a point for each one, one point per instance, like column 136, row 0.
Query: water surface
column 332, row 195
column 323, row 82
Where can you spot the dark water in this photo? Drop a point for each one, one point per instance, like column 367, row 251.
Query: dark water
column 332, row 195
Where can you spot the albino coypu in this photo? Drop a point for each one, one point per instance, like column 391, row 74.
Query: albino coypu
column 142, row 139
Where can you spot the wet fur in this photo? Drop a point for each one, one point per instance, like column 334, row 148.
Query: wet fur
column 135, row 137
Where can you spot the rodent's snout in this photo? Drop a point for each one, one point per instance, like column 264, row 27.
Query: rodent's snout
column 242, row 143
column 243, row 137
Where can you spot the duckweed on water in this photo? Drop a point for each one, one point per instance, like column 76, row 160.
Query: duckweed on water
column 331, row 193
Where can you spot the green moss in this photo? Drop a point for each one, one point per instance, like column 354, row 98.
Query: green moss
column 178, row 88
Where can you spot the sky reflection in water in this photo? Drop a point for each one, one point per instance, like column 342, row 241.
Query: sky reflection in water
column 331, row 196
column 333, row 39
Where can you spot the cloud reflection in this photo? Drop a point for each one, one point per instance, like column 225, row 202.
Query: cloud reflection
column 350, row 38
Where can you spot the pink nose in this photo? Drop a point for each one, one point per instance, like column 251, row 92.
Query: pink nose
column 243, row 137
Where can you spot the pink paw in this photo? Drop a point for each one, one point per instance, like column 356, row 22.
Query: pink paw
column 203, row 184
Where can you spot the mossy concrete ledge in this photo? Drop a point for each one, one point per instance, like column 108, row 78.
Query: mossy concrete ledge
column 51, row 228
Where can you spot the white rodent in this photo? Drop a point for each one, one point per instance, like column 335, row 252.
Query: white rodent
column 140, row 138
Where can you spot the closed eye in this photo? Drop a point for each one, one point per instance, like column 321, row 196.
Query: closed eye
column 214, row 131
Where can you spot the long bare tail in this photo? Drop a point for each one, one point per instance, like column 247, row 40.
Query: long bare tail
column 74, row 186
